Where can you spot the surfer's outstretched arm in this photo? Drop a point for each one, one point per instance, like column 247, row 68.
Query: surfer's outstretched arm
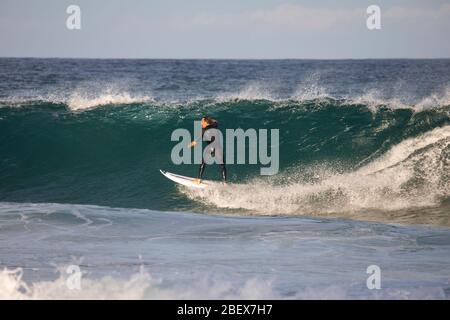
column 192, row 144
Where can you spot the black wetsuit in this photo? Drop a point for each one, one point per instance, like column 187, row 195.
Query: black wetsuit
column 201, row 170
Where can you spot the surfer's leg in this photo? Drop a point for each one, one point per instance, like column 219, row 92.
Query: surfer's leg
column 219, row 157
column 201, row 170
column 224, row 172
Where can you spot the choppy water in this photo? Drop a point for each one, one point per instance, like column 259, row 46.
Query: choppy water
column 141, row 253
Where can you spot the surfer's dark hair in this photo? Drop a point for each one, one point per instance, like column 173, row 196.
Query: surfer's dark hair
column 208, row 119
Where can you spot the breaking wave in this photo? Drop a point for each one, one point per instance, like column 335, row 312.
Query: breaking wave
column 364, row 158
column 412, row 174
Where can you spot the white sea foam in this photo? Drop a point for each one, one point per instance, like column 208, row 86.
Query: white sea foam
column 374, row 99
column 311, row 90
column 140, row 285
column 414, row 173
column 433, row 100
column 81, row 101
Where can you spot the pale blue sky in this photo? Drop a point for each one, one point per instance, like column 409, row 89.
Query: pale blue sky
column 225, row 29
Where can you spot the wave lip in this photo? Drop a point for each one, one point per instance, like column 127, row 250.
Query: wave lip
column 78, row 101
column 85, row 99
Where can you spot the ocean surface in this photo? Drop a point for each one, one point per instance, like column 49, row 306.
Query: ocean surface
column 364, row 179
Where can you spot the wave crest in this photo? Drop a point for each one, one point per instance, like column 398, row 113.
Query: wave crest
column 85, row 99
column 80, row 101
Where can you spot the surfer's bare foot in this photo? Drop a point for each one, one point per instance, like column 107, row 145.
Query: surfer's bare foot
column 198, row 181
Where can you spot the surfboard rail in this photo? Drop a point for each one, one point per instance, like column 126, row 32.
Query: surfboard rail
column 186, row 181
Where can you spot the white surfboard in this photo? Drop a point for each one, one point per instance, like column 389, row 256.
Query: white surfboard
column 187, row 181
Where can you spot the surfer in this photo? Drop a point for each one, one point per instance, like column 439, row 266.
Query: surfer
column 209, row 123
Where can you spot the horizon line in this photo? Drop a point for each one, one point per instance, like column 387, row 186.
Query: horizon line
column 262, row 59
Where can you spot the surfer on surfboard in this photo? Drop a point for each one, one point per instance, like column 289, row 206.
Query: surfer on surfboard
column 209, row 123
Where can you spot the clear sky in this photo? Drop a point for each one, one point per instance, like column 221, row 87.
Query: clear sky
column 225, row 29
